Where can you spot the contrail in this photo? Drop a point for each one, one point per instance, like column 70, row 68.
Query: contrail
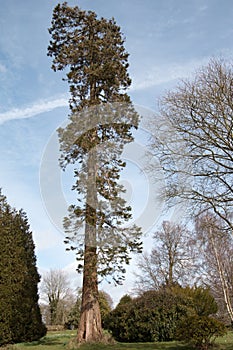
column 38, row 107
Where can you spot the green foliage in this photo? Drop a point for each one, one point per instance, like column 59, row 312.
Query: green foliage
column 20, row 318
column 126, row 299
column 150, row 317
column 204, row 303
column 161, row 315
column 105, row 305
column 74, row 315
column 94, row 49
column 200, row 330
column 198, row 299
column 117, row 321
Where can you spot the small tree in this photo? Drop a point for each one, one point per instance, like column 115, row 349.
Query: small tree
column 198, row 326
column 73, row 318
column 200, row 331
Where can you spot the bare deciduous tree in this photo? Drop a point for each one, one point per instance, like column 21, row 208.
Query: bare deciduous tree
column 56, row 292
column 193, row 139
column 171, row 261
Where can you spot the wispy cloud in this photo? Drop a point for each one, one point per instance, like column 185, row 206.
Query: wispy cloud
column 3, row 68
column 165, row 73
column 38, row 107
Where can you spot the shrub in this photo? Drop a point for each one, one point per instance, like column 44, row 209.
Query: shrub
column 200, row 330
column 164, row 315
column 150, row 317
column 118, row 322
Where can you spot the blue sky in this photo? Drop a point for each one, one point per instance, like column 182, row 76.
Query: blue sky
column 166, row 39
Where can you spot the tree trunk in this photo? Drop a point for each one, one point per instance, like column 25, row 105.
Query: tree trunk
column 53, row 312
column 224, row 285
column 90, row 328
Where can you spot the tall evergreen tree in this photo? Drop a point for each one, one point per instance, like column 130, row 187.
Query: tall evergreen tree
column 20, row 318
column 101, row 122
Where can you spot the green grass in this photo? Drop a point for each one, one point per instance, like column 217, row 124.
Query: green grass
column 138, row 346
column 59, row 340
column 226, row 342
column 52, row 341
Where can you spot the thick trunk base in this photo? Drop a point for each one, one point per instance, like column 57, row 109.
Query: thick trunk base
column 90, row 328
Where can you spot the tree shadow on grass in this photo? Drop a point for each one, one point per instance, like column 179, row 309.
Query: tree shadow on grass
column 46, row 341
column 157, row 346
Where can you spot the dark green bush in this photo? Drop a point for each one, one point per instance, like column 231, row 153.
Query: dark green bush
column 150, row 317
column 164, row 314
column 118, row 321
column 200, row 330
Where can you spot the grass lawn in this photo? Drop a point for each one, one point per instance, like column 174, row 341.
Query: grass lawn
column 59, row 340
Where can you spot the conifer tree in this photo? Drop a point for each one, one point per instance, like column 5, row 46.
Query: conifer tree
column 101, row 122
column 20, row 318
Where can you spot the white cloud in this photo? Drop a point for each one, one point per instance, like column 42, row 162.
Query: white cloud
column 161, row 74
column 203, row 8
column 48, row 239
column 38, row 107
column 165, row 73
column 3, row 68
